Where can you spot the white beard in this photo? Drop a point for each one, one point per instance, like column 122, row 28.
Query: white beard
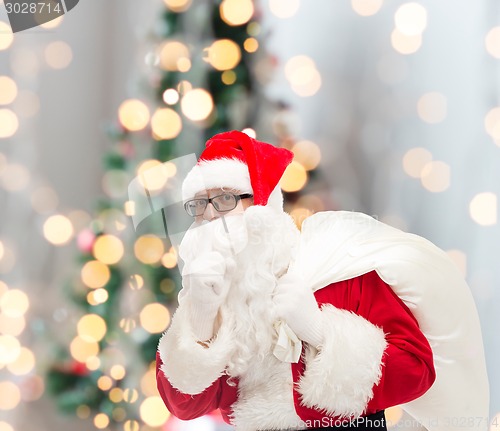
column 262, row 243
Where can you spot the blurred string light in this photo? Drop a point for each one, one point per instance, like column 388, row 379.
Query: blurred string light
column 153, row 411
column 174, row 56
column 108, row 249
column 58, row 230
column 170, row 96
column 366, row 7
column 8, row 123
column 414, row 161
column 149, row 249
column 58, row 55
column 483, row 209
column 8, row 90
column 308, row 154
column 177, row 5
column 44, row 199
column 492, row 42
column 284, row 8
column 492, row 124
column 95, row 274
column 236, row 12
column 435, row 176
column 15, row 177
column 6, row 36
column 197, row 104
column 223, row 54
column 133, row 115
column 166, row 124
column 393, row 415
column 294, row 177
column 303, row 76
column 410, row 22
column 91, row 327
column 432, row 107
column 154, row 318
column 27, row 104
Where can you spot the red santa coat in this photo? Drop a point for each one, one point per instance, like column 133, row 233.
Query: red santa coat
column 363, row 311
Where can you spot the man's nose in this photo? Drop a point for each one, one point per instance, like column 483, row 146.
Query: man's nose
column 210, row 212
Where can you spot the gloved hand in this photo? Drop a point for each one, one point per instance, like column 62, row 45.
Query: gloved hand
column 207, row 280
column 296, row 305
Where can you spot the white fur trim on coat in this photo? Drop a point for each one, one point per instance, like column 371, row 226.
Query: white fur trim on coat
column 218, row 173
column 188, row 366
column 339, row 379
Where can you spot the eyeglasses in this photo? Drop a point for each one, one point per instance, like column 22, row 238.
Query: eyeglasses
column 222, row 203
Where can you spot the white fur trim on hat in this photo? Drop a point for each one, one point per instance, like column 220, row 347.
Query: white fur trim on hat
column 212, row 174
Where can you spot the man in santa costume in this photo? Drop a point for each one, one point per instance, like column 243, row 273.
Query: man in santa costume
column 317, row 329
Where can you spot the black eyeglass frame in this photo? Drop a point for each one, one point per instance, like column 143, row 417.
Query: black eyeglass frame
column 209, row 200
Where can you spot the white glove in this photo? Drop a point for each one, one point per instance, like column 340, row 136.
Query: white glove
column 207, row 281
column 296, row 305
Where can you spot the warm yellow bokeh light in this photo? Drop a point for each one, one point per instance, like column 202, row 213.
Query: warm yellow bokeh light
column 149, row 249
column 169, row 260
column 152, row 174
column 436, row 176
column 8, row 90
column 133, row 115
column 8, row 123
column 432, row 107
column 130, row 395
column 93, row 363
column 56, row 22
column 155, row 318
column 405, row 44
column 307, row 153
column 101, row 420
column 236, row 12
column 171, row 96
column 483, row 209
column 303, row 76
column 95, row 274
column 177, row 5
column 10, row 349
column 172, row 54
column 299, row 215
column 6, row 36
column 14, row 303
column 393, row 415
column 251, row 44
column 58, row 55
column 148, row 383
column 228, row 77
column 166, row 124
column 223, row 54
column 294, row 177
column 83, row 411
column 414, row 161
column 36, row 386
column 23, row 364
column 27, row 104
column 127, row 324
column 4, row 426
column 153, row 411
column 98, row 296
column 58, row 229
column 492, row 42
column 10, row 395
column 11, row 325
column 197, row 104
column 83, row 349
column 131, row 425
column 366, row 7
column 492, row 122
column 105, row 383
column 136, row 282
column 253, row 28
column 116, row 395
column 91, row 327
column 411, row 19
column 108, row 249
column 117, row 372
column 284, row 8
column 44, row 200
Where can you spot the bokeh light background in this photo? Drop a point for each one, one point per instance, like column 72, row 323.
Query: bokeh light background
column 396, row 103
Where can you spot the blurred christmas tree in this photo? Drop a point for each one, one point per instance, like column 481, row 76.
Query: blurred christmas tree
column 126, row 284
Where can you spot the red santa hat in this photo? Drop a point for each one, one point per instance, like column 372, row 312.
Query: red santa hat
column 235, row 160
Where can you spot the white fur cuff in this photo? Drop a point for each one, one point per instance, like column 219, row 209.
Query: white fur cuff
column 188, row 366
column 339, row 379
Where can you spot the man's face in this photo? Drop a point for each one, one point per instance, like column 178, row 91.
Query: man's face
column 222, row 202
